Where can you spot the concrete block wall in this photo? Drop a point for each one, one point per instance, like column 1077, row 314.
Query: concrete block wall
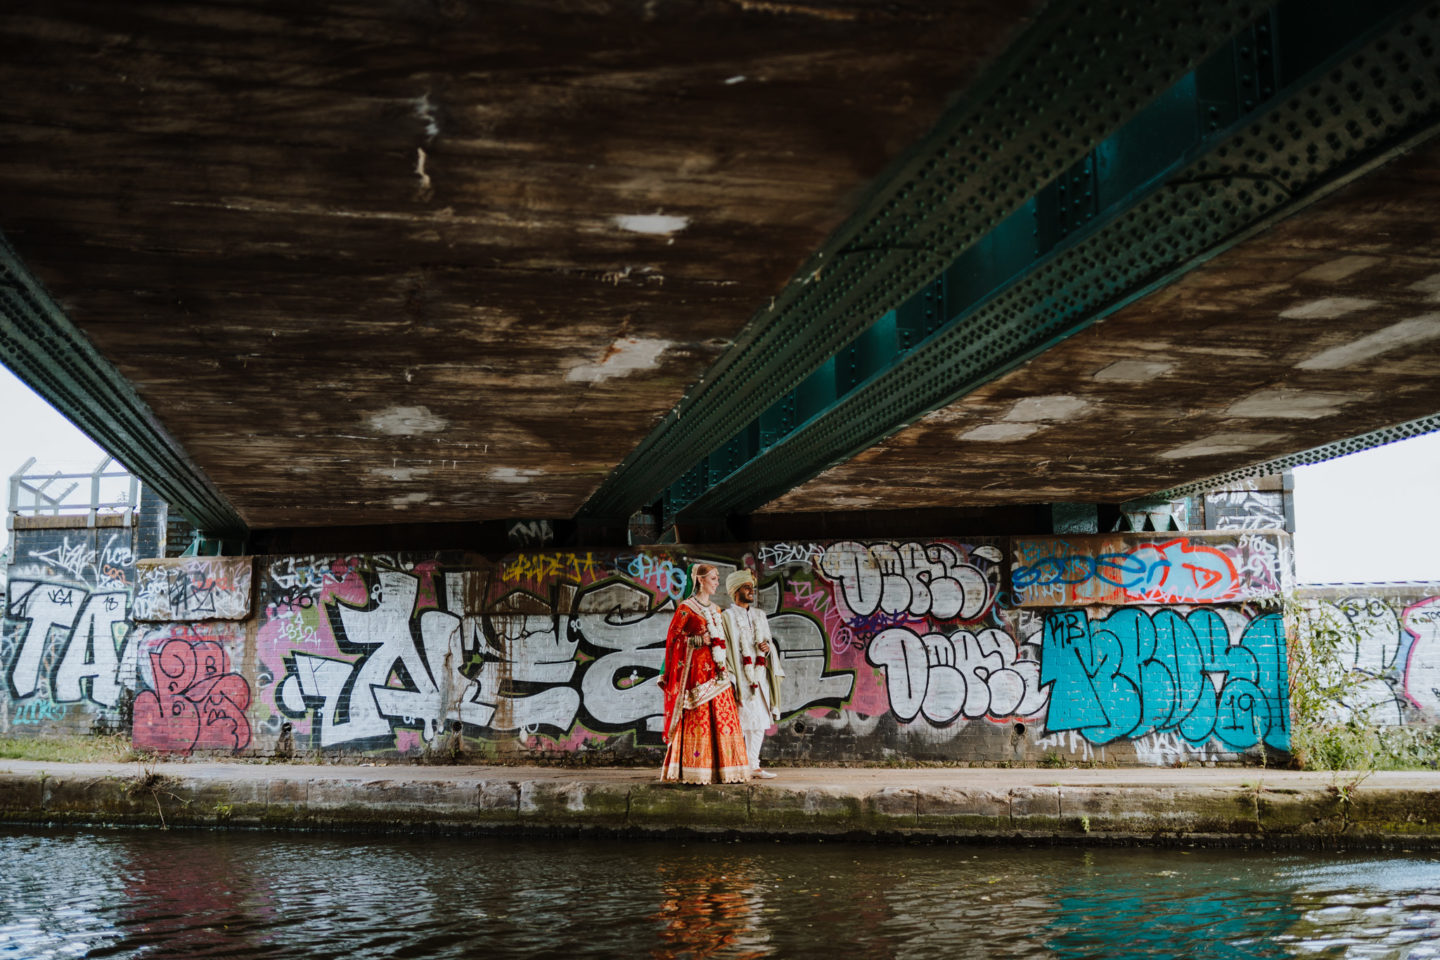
column 1389, row 645
column 1125, row 649
column 66, row 627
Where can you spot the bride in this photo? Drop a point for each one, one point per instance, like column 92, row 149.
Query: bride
column 702, row 723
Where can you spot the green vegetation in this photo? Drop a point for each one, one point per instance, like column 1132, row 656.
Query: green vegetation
column 107, row 748
column 1333, row 726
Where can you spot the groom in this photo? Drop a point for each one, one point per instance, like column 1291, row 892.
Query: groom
column 753, row 661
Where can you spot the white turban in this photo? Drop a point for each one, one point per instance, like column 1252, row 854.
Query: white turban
column 738, row 579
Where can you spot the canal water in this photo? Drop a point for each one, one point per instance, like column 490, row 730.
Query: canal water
column 200, row 894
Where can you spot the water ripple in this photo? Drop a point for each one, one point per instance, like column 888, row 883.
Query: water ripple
column 181, row 894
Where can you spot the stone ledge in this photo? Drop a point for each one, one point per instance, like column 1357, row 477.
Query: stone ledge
column 495, row 802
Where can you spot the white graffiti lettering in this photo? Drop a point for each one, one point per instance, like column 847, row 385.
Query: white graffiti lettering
column 963, row 675
column 86, row 564
column 921, row 580
column 780, row 554
column 87, row 630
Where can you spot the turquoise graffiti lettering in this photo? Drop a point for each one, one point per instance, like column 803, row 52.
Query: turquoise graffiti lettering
column 1135, row 672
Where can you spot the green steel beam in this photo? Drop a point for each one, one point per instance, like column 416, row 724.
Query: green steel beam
column 1329, row 451
column 1076, row 75
column 44, row 349
column 1291, row 112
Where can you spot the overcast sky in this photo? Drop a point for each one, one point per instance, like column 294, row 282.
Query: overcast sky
column 1366, row 518
column 1372, row 516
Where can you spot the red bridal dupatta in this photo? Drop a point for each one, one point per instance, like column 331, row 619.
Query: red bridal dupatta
column 702, row 724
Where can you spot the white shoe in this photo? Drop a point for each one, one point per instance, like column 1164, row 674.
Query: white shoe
column 763, row 774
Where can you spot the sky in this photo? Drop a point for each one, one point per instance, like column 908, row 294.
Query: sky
column 1370, row 517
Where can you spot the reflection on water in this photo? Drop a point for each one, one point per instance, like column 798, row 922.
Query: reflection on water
column 708, row 914
column 193, row 894
column 1194, row 906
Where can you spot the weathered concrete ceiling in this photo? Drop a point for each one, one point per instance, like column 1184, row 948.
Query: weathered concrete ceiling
column 463, row 261
column 452, row 259
column 1325, row 326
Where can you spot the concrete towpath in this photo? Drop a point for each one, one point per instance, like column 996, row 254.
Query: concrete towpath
column 1234, row 806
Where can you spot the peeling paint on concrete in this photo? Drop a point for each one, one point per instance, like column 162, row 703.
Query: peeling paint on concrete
column 655, row 223
column 1221, row 443
column 1000, row 432
column 513, row 475
column 623, row 357
column 1055, row 407
column 407, row 421
column 1135, row 371
column 1404, row 333
column 851, row 503
column 1326, row 308
column 400, row 474
column 1284, row 403
column 1340, row 268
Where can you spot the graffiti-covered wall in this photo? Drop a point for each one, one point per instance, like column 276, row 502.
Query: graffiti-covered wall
column 1124, row 649
column 1158, row 649
column 66, row 639
column 1387, row 645
column 1129, row 648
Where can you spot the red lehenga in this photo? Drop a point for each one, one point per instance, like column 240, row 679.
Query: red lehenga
column 705, row 744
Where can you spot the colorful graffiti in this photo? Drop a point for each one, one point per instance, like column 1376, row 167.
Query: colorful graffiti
column 1182, row 570
column 376, row 654
column 1135, row 671
column 889, row 646
column 1420, row 621
column 658, row 572
column 194, row 700
column 562, row 651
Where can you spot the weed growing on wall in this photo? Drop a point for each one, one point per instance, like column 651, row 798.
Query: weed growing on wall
column 1326, row 732
column 1334, row 725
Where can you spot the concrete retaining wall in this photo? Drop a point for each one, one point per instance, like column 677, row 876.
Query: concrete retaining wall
column 1240, row 808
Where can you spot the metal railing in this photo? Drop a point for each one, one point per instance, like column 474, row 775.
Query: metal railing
column 34, row 495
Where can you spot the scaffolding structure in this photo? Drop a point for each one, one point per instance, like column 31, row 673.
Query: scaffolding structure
column 36, row 495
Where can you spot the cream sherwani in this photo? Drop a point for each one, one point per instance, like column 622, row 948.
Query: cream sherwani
column 757, row 674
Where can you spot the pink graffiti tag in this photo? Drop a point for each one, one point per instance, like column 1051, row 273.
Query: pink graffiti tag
column 197, row 702
column 805, row 596
column 1422, row 664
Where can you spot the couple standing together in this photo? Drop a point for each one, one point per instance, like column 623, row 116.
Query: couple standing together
column 712, row 659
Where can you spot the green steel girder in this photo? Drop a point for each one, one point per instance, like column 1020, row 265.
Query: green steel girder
column 1075, row 76
column 43, row 348
column 1244, row 139
column 1330, row 451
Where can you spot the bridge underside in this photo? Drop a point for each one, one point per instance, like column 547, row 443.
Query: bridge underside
column 456, row 263
column 1324, row 326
